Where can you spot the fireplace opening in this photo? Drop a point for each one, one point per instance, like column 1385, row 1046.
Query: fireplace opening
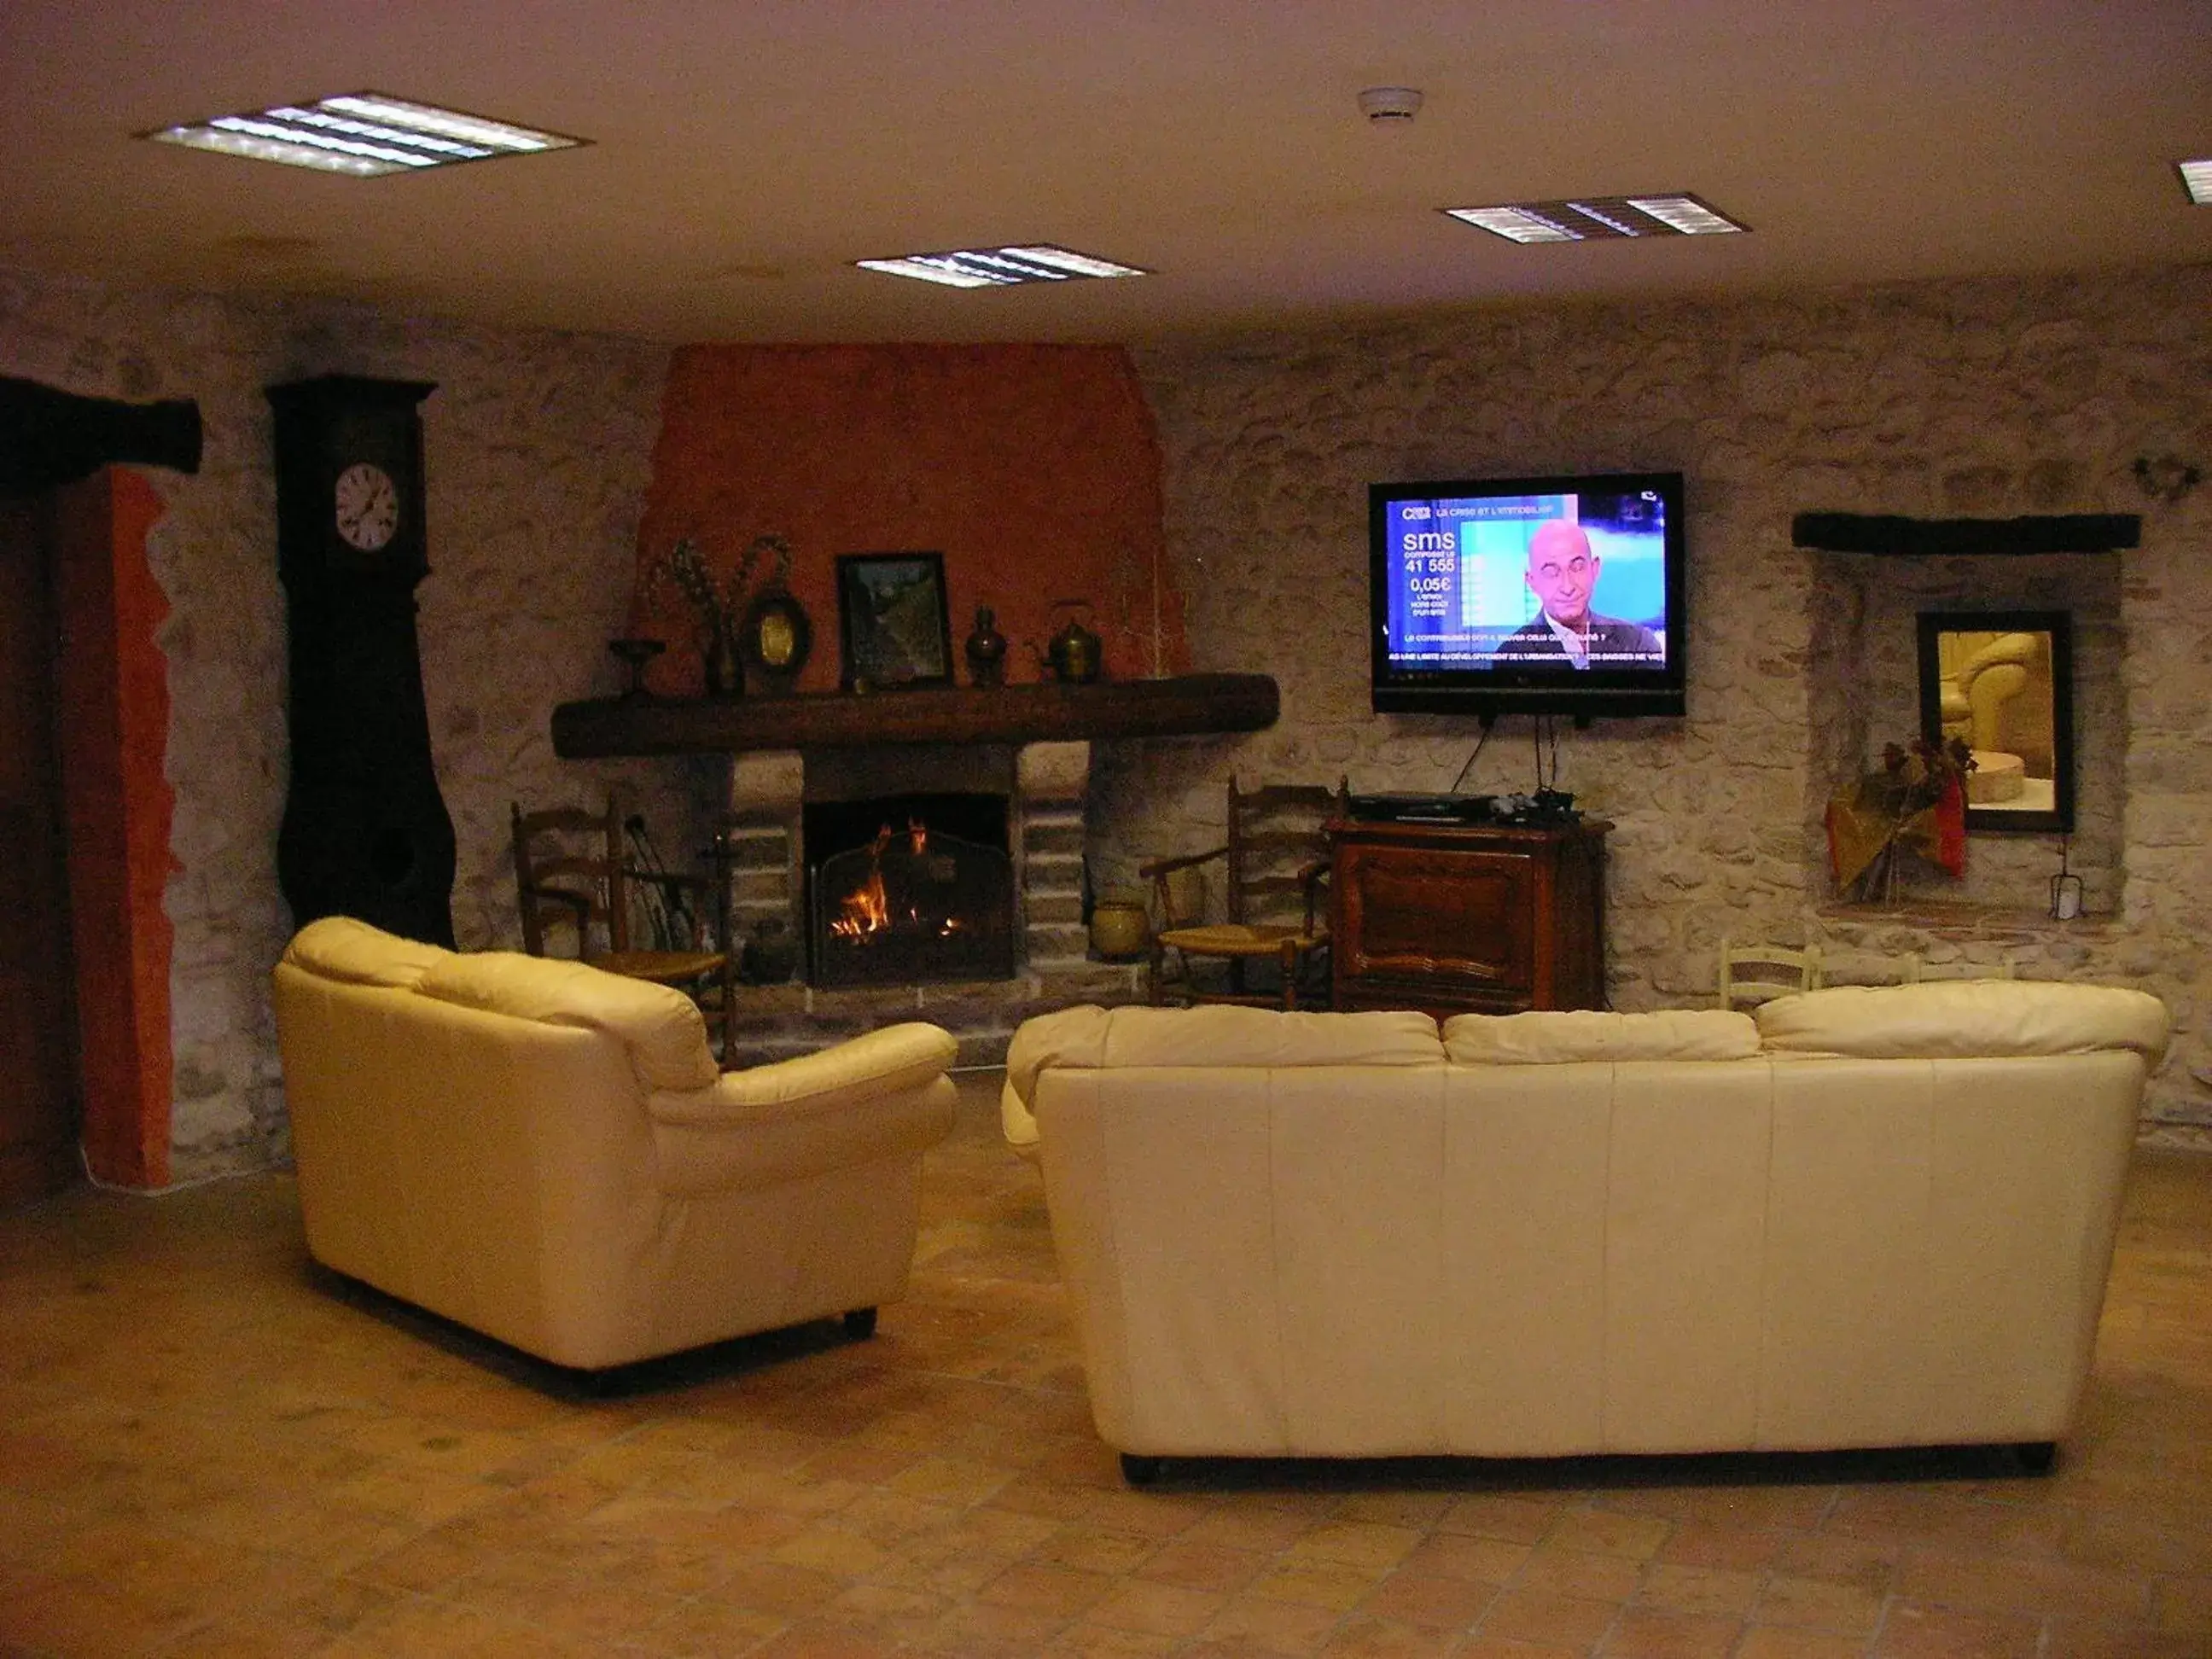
column 908, row 887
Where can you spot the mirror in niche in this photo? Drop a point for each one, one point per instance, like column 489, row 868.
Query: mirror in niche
column 2003, row 680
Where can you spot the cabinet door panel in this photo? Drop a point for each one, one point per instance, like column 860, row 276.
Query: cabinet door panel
column 1462, row 917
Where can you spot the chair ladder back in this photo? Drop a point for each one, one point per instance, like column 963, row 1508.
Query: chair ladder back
column 1776, row 970
column 1276, row 834
column 567, row 863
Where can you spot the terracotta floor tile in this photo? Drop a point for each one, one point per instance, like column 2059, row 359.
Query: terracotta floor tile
column 774, row 1587
column 1091, row 1549
column 2137, row 1542
column 1356, row 1544
column 1202, row 1566
column 1716, row 1592
column 829, row 1550
column 2075, row 1640
column 1517, row 1520
column 1419, row 1509
column 1261, row 1530
column 1430, row 1600
column 1781, row 1642
column 1317, row 1583
column 1843, row 1609
column 1602, row 1532
column 2008, row 1584
column 956, row 1480
column 1870, row 1564
column 1251, row 1624
column 1545, row 1616
column 1945, row 1519
column 704, row 1629
column 1783, row 1508
column 814, row 1641
column 891, row 1611
column 1701, row 1544
column 1916, row 1631
column 1579, row 1572
column 1086, row 1640
column 2182, row 1603
column 214, row 1457
column 1649, row 1633
column 1463, row 1555
column 1161, row 1609
column 985, row 1629
column 1038, row 1589
column 1364, row 1637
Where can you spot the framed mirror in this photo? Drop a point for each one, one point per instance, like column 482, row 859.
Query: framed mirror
column 2003, row 680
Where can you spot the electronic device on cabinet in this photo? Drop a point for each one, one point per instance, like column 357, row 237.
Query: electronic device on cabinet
column 1562, row 593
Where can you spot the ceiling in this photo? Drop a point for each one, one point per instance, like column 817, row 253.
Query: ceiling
column 745, row 151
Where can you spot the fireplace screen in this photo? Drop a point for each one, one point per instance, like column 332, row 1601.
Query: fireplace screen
column 914, row 901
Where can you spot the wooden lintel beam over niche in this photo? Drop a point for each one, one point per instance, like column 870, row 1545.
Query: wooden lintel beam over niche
column 1861, row 533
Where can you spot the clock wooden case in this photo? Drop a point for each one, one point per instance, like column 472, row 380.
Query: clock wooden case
column 366, row 832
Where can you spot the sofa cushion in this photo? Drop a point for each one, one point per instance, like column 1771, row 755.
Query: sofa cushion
column 342, row 948
column 1098, row 1037
column 1965, row 1019
column 662, row 1028
column 1546, row 1037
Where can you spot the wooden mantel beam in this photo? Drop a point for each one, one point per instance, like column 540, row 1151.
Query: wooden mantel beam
column 1186, row 705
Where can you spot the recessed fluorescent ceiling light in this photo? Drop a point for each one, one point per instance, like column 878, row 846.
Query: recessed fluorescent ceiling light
column 999, row 267
column 2196, row 179
column 1591, row 218
column 363, row 134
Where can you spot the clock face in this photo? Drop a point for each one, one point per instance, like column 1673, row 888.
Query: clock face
column 367, row 507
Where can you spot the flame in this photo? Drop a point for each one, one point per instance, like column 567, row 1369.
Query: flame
column 866, row 911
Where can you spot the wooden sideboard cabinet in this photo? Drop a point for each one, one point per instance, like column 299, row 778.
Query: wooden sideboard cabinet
column 1455, row 919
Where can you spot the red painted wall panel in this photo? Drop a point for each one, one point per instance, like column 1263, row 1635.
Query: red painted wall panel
column 1034, row 470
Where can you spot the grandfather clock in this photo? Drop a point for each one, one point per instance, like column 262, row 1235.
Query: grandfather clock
column 366, row 832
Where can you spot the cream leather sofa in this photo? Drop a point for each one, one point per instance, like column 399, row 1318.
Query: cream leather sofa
column 546, row 1153
column 1878, row 1216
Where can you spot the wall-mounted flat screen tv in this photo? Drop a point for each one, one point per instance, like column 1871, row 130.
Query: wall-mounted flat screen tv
column 1560, row 594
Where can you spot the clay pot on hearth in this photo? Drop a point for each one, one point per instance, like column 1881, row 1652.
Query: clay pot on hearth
column 1119, row 931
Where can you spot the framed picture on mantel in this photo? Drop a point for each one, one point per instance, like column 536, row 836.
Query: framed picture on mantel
column 893, row 620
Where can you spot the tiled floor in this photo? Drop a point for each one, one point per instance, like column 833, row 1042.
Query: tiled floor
column 205, row 1451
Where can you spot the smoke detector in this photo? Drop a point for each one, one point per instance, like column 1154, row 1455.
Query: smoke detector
column 1388, row 105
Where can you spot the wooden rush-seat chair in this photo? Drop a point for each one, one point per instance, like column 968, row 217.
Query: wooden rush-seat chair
column 1752, row 974
column 1274, row 865
column 569, row 869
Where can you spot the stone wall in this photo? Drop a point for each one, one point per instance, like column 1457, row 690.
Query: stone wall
column 1989, row 398
column 1984, row 398
column 537, row 449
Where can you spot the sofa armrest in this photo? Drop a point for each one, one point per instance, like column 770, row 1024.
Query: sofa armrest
column 880, row 1097
column 882, row 1063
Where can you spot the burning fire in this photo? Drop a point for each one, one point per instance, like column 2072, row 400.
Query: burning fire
column 866, row 911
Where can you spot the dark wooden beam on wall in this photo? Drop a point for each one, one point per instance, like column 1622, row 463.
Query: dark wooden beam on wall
column 49, row 437
column 1861, row 533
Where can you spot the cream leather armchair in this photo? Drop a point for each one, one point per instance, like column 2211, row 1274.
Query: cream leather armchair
column 547, row 1153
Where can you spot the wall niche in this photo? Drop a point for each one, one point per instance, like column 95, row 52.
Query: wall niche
column 1863, row 692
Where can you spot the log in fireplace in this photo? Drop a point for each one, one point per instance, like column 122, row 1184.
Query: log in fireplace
column 908, row 887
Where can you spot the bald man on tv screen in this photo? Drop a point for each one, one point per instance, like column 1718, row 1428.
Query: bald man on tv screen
column 1562, row 575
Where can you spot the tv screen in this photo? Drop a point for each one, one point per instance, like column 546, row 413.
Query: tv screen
column 1545, row 595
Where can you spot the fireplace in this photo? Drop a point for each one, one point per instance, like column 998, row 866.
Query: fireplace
column 792, row 811
column 909, row 888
